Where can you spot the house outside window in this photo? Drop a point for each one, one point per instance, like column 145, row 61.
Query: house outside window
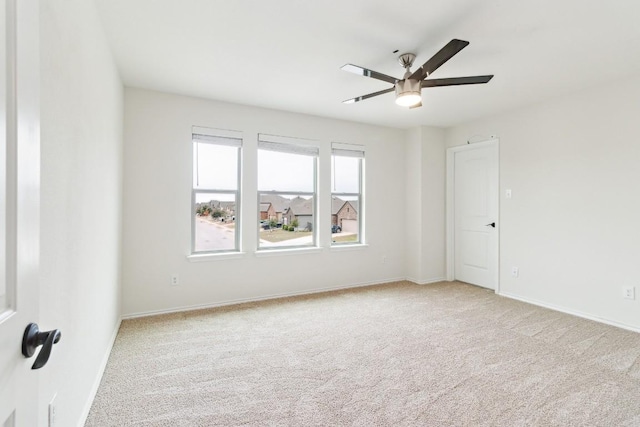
column 347, row 171
column 287, row 186
column 215, row 196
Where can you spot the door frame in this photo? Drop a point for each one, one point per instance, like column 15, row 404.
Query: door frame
column 450, row 205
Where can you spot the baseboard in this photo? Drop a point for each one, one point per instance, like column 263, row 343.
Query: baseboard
column 256, row 299
column 571, row 312
column 426, row 282
column 96, row 383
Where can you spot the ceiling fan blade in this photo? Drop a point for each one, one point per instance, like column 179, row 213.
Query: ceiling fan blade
column 455, row 81
column 371, row 95
column 369, row 73
column 445, row 54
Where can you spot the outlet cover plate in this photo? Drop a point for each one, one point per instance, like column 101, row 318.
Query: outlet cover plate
column 175, row 280
column 515, row 271
column 629, row 292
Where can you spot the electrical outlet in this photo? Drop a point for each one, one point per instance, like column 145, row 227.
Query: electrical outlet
column 52, row 411
column 515, row 271
column 629, row 292
column 507, row 193
column 384, row 259
column 175, row 280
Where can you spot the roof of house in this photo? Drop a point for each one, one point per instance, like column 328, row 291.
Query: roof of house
column 280, row 204
column 337, row 204
column 300, row 206
column 264, row 207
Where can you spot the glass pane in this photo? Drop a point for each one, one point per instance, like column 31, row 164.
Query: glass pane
column 286, row 220
column 215, row 166
column 345, row 219
column 285, row 172
column 215, row 222
column 345, row 174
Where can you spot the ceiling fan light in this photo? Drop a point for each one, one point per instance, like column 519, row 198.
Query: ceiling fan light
column 408, row 99
column 408, row 93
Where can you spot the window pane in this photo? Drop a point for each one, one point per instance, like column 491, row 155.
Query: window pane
column 215, row 166
column 215, row 222
column 285, row 172
column 286, row 220
column 345, row 219
column 345, row 176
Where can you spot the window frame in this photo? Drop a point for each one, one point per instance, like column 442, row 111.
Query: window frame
column 353, row 151
column 302, row 147
column 222, row 135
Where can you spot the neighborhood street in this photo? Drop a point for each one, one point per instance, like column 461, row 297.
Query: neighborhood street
column 210, row 236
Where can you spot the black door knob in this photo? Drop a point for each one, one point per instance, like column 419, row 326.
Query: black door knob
column 493, row 224
column 33, row 339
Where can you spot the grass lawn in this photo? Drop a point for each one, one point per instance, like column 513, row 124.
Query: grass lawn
column 349, row 238
column 279, row 235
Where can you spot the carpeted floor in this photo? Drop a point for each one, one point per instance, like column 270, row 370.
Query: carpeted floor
column 448, row 354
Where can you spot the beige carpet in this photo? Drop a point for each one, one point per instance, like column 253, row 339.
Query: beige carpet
column 400, row 354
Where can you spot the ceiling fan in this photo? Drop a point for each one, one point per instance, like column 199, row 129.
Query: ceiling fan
column 408, row 89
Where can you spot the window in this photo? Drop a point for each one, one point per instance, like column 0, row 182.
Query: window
column 286, row 192
column 347, row 165
column 216, row 190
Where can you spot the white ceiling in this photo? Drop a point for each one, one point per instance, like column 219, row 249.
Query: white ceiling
column 287, row 54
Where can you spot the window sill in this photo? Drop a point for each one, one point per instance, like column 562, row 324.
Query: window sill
column 215, row 257
column 348, row 247
column 289, row 251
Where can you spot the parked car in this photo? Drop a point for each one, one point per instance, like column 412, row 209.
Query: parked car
column 336, row 229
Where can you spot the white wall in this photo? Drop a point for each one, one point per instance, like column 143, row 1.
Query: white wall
column 413, row 208
column 157, row 197
column 572, row 224
column 425, row 214
column 433, row 240
column 81, row 137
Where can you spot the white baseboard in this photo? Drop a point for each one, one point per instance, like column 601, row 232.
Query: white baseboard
column 426, row 282
column 571, row 311
column 96, row 382
column 256, row 299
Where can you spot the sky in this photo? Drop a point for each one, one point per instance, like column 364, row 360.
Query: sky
column 217, row 168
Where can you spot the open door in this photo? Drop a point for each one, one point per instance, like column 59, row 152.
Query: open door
column 19, row 207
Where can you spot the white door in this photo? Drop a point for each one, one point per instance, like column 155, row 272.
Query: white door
column 476, row 214
column 19, row 216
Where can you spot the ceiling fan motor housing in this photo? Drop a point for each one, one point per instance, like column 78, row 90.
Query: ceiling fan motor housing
column 406, row 59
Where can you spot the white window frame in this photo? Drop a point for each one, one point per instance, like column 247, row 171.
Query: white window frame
column 291, row 145
column 350, row 150
column 217, row 137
